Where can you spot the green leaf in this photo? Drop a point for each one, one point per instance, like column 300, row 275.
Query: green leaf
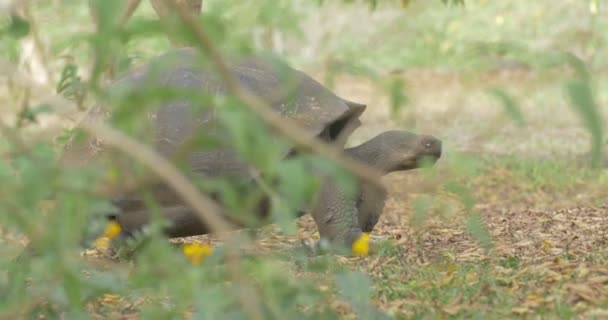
column 31, row 114
column 356, row 288
column 422, row 204
column 107, row 12
column 398, row 95
column 583, row 104
column 463, row 193
column 509, row 262
column 296, row 182
column 454, row 2
column 579, row 66
column 510, row 105
column 18, row 27
column 73, row 289
column 476, row 228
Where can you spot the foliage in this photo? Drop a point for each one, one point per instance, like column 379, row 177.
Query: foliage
column 57, row 212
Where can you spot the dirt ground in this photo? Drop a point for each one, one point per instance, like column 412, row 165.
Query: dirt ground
column 555, row 231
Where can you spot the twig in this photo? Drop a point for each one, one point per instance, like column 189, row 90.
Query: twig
column 205, row 209
column 131, row 7
column 38, row 47
column 193, row 7
column 285, row 126
column 12, row 137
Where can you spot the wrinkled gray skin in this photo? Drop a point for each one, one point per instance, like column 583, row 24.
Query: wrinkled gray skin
column 289, row 92
column 342, row 218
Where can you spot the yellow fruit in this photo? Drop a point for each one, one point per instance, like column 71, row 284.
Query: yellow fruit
column 361, row 245
column 196, row 252
column 112, row 230
column 102, row 243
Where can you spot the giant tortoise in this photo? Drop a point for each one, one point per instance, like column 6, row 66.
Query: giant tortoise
column 289, row 92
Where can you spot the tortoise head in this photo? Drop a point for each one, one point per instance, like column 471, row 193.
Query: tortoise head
column 399, row 150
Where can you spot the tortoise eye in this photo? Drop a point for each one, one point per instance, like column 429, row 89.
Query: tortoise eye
column 427, row 144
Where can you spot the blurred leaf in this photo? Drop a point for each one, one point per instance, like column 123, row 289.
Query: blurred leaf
column 422, row 205
column 107, row 13
column 509, row 262
column 297, row 188
column 473, row 222
column 580, row 67
column 511, row 107
column 109, row 37
column 70, row 85
column 122, row 64
column 356, row 288
column 373, row 4
column 73, row 290
column 454, row 2
column 463, row 193
column 18, row 27
column 344, row 180
column 476, row 228
column 283, row 215
column 336, row 67
column 142, row 27
column 398, row 95
column 31, row 114
column 583, row 103
column 296, row 181
column 210, row 306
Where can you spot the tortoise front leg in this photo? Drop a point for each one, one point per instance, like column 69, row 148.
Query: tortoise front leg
column 370, row 206
column 337, row 216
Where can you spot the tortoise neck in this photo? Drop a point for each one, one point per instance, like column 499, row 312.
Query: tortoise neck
column 370, row 154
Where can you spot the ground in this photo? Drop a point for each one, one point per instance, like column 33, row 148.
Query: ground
column 544, row 210
column 546, row 213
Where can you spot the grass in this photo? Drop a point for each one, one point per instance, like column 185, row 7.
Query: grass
column 439, row 271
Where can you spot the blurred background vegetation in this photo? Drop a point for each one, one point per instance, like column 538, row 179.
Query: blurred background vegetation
column 516, row 90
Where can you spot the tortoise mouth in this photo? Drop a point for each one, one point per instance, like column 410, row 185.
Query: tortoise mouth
column 427, row 160
column 405, row 165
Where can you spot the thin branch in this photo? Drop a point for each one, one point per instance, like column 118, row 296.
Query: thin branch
column 193, row 7
column 37, row 41
column 12, row 137
column 289, row 128
column 129, row 10
column 205, row 208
